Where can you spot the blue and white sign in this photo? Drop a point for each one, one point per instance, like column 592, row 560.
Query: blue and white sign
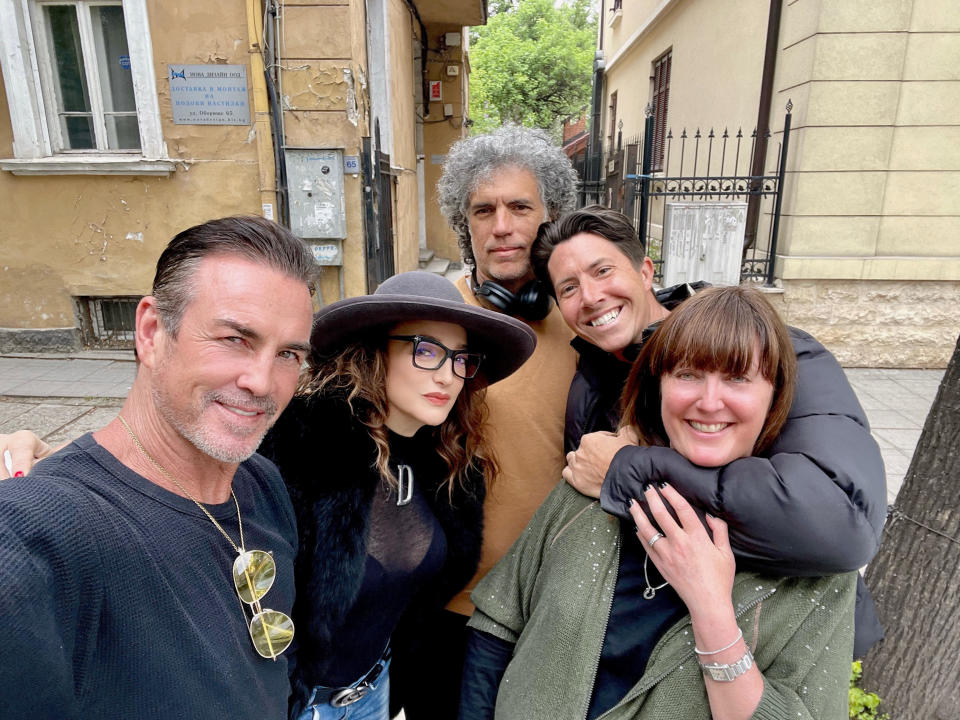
column 125, row 62
column 209, row 94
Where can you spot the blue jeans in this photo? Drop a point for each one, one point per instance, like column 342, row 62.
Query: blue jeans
column 375, row 705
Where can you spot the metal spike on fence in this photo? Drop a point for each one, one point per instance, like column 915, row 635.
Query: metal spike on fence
column 683, row 149
column 709, row 151
column 696, row 151
column 666, row 161
column 723, row 153
column 736, row 162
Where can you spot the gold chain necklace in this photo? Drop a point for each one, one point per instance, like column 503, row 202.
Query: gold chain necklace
column 253, row 573
column 171, row 478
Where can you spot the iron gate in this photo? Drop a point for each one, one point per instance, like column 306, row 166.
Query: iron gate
column 702, row 167
column 378, row 210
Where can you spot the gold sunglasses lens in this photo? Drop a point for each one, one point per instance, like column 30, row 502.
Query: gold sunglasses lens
column 271, row 632
column 253, row 574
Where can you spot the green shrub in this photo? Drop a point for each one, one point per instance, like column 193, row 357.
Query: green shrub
column 863, row 704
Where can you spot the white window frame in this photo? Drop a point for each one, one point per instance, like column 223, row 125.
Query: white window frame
column 33, row 142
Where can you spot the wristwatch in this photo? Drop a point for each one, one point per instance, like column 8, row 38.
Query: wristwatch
column 729, row 673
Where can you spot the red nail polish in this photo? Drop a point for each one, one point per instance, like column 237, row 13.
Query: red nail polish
column 18, row 473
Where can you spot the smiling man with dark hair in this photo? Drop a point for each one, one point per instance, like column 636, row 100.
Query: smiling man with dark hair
column 147, row 568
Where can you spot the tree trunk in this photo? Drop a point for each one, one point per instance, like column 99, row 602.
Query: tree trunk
column 915, row 577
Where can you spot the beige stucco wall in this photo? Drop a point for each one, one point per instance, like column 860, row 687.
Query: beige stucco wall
column 715, row 76
column 873, row 190
column 870, row 241
column 869, row 244
column 101, row 235
column 439, row 133
column 716, row 63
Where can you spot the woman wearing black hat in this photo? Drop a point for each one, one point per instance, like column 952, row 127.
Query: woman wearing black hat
column 387, row 468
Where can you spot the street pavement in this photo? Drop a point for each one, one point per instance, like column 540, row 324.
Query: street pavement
column 60, row 397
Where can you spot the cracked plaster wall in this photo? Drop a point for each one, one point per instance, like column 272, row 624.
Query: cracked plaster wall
column 73, row 235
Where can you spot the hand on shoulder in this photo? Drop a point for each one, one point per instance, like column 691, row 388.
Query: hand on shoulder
column 588, row 465
column 21, row 451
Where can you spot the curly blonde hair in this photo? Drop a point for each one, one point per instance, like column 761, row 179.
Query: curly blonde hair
column 360, row 372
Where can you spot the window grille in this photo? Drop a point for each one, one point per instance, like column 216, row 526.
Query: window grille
column 108, row 322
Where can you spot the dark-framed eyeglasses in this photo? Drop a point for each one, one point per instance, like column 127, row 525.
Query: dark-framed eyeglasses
column 253, row 575
column 428, row 354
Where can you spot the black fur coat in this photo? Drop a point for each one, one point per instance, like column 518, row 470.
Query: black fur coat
column 326, row 457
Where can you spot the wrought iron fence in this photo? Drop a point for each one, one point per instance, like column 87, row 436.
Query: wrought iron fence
column 698, row 166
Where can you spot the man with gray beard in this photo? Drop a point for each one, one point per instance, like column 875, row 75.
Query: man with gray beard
column 147, row 567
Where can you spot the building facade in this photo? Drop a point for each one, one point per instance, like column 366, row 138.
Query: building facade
column 868, row 254
column 123, row 122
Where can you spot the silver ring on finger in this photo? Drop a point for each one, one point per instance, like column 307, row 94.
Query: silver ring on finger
column 651, row 541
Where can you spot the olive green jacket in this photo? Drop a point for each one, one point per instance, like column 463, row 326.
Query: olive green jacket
column 551, row 596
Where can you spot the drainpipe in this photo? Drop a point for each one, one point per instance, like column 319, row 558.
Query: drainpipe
column 592, row 171
column 261, row 110
column 276, row 118
column 763, row 118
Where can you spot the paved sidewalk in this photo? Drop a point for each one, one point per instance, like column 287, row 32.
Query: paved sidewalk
column 60, row 397
column 63, row 396
column 896, row 403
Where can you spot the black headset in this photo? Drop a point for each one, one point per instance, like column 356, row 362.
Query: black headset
column 531, row 302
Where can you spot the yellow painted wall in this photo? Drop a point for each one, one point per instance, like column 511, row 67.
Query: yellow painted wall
column 440, row 132
column 325, row 99
column 101, row 235
column 404, row 157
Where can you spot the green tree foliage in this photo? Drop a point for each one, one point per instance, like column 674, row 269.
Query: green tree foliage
column 532, row 63
column 863, row 705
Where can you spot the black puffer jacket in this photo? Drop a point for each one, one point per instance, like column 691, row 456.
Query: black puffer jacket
column 813, row 504
column 326, row 457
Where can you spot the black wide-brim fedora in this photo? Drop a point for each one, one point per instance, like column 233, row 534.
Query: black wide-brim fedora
column 417, row 295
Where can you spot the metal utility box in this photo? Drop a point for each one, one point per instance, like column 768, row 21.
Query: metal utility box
column 315, row 188
column 703, row 241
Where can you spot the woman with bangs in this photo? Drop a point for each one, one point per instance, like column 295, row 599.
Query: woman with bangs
column 587, row 617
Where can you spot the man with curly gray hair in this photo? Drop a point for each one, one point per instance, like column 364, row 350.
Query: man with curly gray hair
column 475, row 161
column 495, row 191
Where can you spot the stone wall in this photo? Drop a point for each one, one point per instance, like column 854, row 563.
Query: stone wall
column 876, row 323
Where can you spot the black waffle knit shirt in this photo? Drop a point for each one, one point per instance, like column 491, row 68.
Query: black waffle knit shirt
column 116, row 597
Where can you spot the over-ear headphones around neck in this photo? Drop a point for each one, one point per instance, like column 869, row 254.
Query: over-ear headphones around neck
column 530, row 302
